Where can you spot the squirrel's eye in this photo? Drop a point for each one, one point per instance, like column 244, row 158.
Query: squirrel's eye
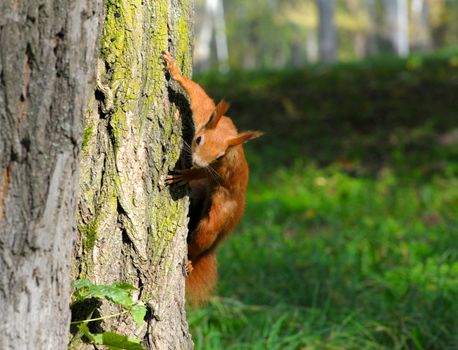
column 220, row 157
column 198, row 139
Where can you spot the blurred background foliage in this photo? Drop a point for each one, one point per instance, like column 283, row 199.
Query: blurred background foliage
column 350, row 237
column 282, row 33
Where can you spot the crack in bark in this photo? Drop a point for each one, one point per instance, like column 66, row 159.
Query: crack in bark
column 4, row 188
column 27, row 70
column 126, row 238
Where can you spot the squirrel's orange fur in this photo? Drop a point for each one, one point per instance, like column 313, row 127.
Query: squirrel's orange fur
column 218, row 181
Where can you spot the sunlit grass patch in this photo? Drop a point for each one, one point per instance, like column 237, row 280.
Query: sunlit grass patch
column 325, row 260
column 350, row 237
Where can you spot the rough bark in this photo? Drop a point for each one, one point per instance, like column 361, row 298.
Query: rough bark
column 131, row 229
column 47, row 68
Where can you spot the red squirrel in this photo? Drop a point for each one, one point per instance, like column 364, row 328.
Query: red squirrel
column 218, row 182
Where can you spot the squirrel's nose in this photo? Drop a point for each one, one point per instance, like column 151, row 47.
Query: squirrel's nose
column 198, row 162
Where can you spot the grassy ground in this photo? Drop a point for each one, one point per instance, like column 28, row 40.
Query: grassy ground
column 350, row 238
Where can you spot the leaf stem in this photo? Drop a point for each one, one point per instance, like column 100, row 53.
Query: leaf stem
column 101, row 318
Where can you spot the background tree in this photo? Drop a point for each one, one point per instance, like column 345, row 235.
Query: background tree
column 47, row 59
column 131, row 228
column 327, row 30
column 213, row 21
column 397, row 26
column 421, row 31
column 372, row 36
column 275, row 34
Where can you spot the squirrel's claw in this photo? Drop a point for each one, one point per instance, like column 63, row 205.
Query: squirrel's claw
column 172, row 180
column 168, row 59
column 176, row 177
column 189, row 267
column 165, row 58
column 170, row 64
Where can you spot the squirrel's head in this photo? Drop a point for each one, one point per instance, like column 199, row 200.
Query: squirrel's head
column 214, row 139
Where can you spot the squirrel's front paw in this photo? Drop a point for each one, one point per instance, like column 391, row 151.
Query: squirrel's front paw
column 169, row 63
column 189, row 267
column 177, row 177
column 167, row 57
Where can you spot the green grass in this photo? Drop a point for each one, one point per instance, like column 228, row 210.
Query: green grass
column 350, row 237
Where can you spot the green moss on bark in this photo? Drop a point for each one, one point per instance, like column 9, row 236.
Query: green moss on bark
column 136, row 229
column 88, row 130
column 89, row 235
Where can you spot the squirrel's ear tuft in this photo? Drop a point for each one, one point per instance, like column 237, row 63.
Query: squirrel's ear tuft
column 220, row 109
column 244, row 137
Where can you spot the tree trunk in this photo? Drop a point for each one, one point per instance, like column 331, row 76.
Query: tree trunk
column 421, row 32
column 372, row 37
column 402, row 22
column 327, row 31
column 131, row 228
column 202, row 56
column 311, row 27
column 397, row 19
column 47, row 69
column 213, row 21
column 359, row 35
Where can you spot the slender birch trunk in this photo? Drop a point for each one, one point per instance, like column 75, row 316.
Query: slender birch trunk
column 327, row 31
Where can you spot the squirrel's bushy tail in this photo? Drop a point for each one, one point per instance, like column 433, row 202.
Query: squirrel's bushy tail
column 202, row 279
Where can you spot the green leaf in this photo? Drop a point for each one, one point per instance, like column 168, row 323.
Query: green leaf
column 124, row 285
column 78, row 284
column 85, row 329
column 111, row 339
column 113, row 293
column 138, row 313
column 117, row 341
column 118, row 293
